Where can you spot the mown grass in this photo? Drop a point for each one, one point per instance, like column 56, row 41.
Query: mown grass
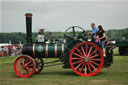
column 116, row 74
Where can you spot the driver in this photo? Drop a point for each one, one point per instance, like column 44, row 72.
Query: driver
column 93, row 32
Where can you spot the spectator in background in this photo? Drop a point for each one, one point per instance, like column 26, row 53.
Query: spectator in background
column 10, row 50
column 6, row 51
column 14, row 50
column 1, row 52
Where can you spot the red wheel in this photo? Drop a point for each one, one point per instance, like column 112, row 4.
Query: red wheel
column 24, row 66
column 86, row 59
column 39, row 65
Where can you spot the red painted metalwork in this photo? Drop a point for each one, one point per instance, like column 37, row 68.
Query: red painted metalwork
column 24, row 66
column 39, row 65
column 86, row 59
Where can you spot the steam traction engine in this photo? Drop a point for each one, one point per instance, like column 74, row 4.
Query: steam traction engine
column 84, row 57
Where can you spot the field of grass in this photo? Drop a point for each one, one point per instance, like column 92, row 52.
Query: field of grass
column 116, row 74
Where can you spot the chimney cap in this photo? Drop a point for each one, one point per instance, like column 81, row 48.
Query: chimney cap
column 28, row 14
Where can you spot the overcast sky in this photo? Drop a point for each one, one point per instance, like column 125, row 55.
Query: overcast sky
column 59, row 15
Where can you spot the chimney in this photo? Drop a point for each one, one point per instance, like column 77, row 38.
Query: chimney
column 29, row 27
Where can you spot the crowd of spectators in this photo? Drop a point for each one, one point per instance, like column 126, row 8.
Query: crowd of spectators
column 10, row 50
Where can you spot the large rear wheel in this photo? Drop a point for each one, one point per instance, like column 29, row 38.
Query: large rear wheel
column 86, row 59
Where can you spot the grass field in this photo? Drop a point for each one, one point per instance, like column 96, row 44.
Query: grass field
column 117, row 74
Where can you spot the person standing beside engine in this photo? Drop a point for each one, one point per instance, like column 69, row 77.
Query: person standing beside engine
column 102, row 38
column 93, row 32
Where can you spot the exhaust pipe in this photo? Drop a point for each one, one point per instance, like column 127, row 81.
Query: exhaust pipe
column 29, row 27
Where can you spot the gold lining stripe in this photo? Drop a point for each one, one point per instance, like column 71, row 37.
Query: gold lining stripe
column 62, row 48
column 33, row 49
column 46, row 50
column 56, row 50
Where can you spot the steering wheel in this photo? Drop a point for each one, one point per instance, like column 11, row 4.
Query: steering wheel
column 72, row 30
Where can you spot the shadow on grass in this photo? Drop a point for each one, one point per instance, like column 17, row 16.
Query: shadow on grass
column 67, row 73
column 116, row 54
column 59, row 73
column 13, row 75
column 70, row 74
column 63, row 73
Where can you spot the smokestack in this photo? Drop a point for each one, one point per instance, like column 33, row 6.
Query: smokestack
column 29, row 27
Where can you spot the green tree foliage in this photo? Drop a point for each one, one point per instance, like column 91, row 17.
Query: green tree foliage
column 13, row 37
column 17, row 37
column 117, row 34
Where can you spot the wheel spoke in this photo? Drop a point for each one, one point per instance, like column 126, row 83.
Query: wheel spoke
column 96, row 59
column 78, row 55
column 85, row 72
column 94, row 56
column 81, row 68
column 83, row 51
column 26, row 59
column 78, row 66
column 28, row 69
column 38, row 63
column 92, row 66
column 93, row 52
column 20, row 69
column 89, row 51
column 79, row 51
column 37, row 59
column 30, row 65
column 22, row 61
column 86, row 48
column 19, row 65
column 38, row 68
column 77, row 62
column 76, row 58
column 25, row 72
column 28, row 62
column 22, row 72
column 89, row 68
column 94, row 63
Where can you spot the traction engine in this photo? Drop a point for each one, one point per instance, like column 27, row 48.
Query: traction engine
column 75, row 51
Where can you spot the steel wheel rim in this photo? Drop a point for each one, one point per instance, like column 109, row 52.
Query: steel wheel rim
column 39, row 65
column 24, row 66
column 88, row 62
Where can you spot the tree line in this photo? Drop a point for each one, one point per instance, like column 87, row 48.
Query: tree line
column 17, row 37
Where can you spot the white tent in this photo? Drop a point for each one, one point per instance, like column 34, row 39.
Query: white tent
column 4, row 44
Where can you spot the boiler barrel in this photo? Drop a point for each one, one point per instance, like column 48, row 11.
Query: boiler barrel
column 45, row 50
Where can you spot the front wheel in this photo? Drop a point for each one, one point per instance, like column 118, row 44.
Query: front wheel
column 24, row 66
column 86, row 59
